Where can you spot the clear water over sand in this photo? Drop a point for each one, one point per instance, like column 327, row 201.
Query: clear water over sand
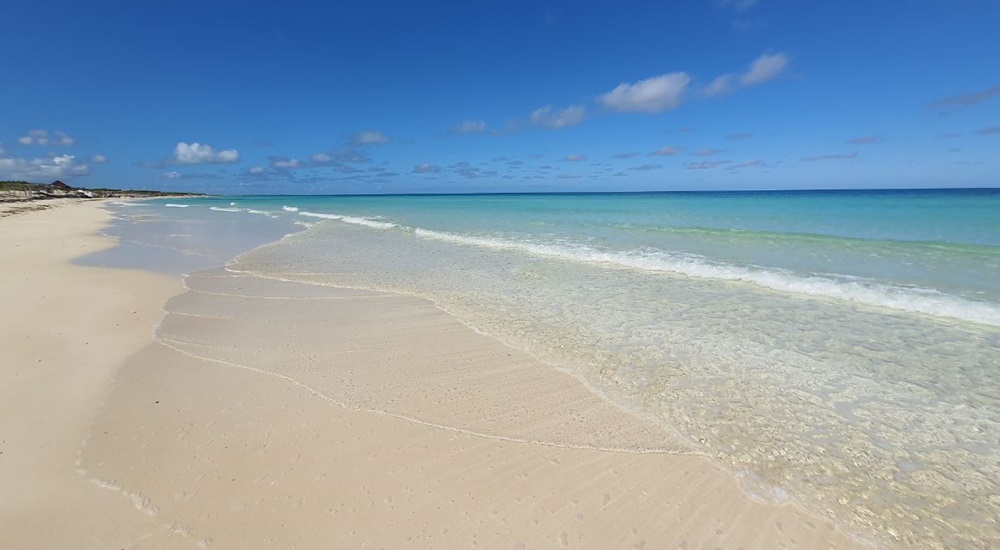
column 839, row 350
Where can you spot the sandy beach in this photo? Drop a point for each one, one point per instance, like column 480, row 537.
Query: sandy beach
column 256, row 418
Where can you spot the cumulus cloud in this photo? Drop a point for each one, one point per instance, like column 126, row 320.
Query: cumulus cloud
column 42, row 137
column 255, row 170
column 282, row 163
column 320, row 158
column 469, row 127
column 369, row 137
column 764, row 68
column 652, row 95
column 839, row 156
column 53, row 166
column 547, row 117
column 575, row 158
column 668, row 151
column 957, row 103
column 99, row 159
column 720, row 86
column 426, row 168
column 202, row 153
column 172, row 175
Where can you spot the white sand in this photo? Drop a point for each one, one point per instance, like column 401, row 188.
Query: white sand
column 413, row 431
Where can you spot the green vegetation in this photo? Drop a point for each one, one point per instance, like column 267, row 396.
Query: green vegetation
column 22, row 190
column 20, row 186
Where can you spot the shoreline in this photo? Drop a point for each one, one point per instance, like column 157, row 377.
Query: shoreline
column 176, row 467
column 68, row 330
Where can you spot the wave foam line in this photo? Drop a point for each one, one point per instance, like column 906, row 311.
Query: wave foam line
column 220, row 209
column 916, row 300
column 172, row 205
column 367, row 222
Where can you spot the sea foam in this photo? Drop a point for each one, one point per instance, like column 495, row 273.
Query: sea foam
column 854, row 289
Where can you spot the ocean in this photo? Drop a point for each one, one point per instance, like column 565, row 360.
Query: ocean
column 836, row 349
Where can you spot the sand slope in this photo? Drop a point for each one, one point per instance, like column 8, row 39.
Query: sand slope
column 264, row 417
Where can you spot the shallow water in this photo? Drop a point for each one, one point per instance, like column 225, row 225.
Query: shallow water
column 841, row 350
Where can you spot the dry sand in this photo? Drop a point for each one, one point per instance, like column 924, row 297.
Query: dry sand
column 280, row 415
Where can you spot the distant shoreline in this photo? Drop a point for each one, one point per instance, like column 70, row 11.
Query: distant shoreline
column 22, row 191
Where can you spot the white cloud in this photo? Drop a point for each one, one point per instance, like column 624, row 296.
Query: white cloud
column 722, row 85
column 42, row 137
column 171, row 175
column 64, row 139
column 764, row 68
column 667, row 151
column 40, row 169
column 469, row 127
column 426, row 168
column 256, row 170
column 369, row 137
column 320, row 158
column 99, row 159
column 558, row 118
column 283, row 163
column 575, row 158
column 652, row 95
column 199, row 153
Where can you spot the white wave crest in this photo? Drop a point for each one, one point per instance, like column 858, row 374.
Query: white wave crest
column 290, row 208
column 367, row 222
column 172, row 205
column 917, row 300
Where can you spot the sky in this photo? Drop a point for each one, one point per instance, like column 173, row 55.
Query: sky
column 480, row 96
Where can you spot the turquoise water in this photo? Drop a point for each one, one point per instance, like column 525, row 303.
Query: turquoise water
column 839, row 349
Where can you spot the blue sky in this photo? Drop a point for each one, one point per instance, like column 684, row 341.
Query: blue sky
column 501, row 95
